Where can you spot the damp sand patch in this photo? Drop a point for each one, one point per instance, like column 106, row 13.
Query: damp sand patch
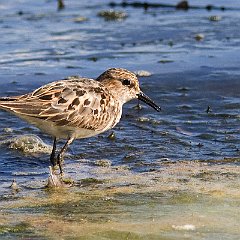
column 193, row 199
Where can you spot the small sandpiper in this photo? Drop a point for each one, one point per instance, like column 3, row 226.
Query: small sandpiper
column 77, row 107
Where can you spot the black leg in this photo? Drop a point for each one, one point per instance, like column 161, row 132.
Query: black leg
column 52, row 156
column 61, row 153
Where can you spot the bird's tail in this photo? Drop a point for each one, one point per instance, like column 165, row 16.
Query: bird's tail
column 7, row 99
column 6, row 102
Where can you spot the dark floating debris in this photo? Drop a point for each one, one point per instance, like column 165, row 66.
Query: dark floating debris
column 93, row 59
column 164, row 61
column 208, row 109
column 20, row 13
column 211, row 7
column 170, row 43
column 182, row 5
column 200, row 145
column 61, row 5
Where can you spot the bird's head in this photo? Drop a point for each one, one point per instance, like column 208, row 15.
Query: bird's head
column 125, row 85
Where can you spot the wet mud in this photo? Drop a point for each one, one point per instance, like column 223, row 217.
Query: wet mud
column 168, row 175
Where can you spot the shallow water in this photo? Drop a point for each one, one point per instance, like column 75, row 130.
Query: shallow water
column 147, row 181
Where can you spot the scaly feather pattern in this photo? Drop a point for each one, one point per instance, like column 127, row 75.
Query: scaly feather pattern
column 77, row 107
column 74, row 102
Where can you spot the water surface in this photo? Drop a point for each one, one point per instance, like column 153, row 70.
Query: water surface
column 162, row 171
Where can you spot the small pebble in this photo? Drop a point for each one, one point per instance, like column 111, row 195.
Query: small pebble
column 103, row 163
column 143, row 119
column 112, row 136
column 138, row 107
column 186, row 227
column 7, row 130
column 14, row 185
column 80, row 19
column 143, row 73
column 199, row 36
column 215, row 18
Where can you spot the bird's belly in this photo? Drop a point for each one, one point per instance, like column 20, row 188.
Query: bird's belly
column 61, row 132
column 65, row 132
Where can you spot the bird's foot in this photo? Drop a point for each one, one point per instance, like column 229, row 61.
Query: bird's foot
column 57, row 180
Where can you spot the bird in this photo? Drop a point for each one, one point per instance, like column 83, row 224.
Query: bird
column 77, row 107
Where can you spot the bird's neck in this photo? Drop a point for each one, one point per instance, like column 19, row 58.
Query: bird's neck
column 117, row 91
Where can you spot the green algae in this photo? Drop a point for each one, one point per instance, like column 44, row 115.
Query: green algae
column 120, row 235
column 19, row 230
column 20, row 227
column 111, row 15
column 91, row 181
column 121, row 204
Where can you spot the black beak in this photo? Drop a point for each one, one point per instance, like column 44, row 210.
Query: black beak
column 149, row 101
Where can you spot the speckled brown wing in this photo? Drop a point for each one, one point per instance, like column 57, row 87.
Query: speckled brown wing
column 76, row 102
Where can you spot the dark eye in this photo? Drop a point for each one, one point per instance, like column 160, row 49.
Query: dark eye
column 126, row 82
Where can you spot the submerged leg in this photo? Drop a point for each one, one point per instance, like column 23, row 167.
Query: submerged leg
column 61, row 153
column 52, row 156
